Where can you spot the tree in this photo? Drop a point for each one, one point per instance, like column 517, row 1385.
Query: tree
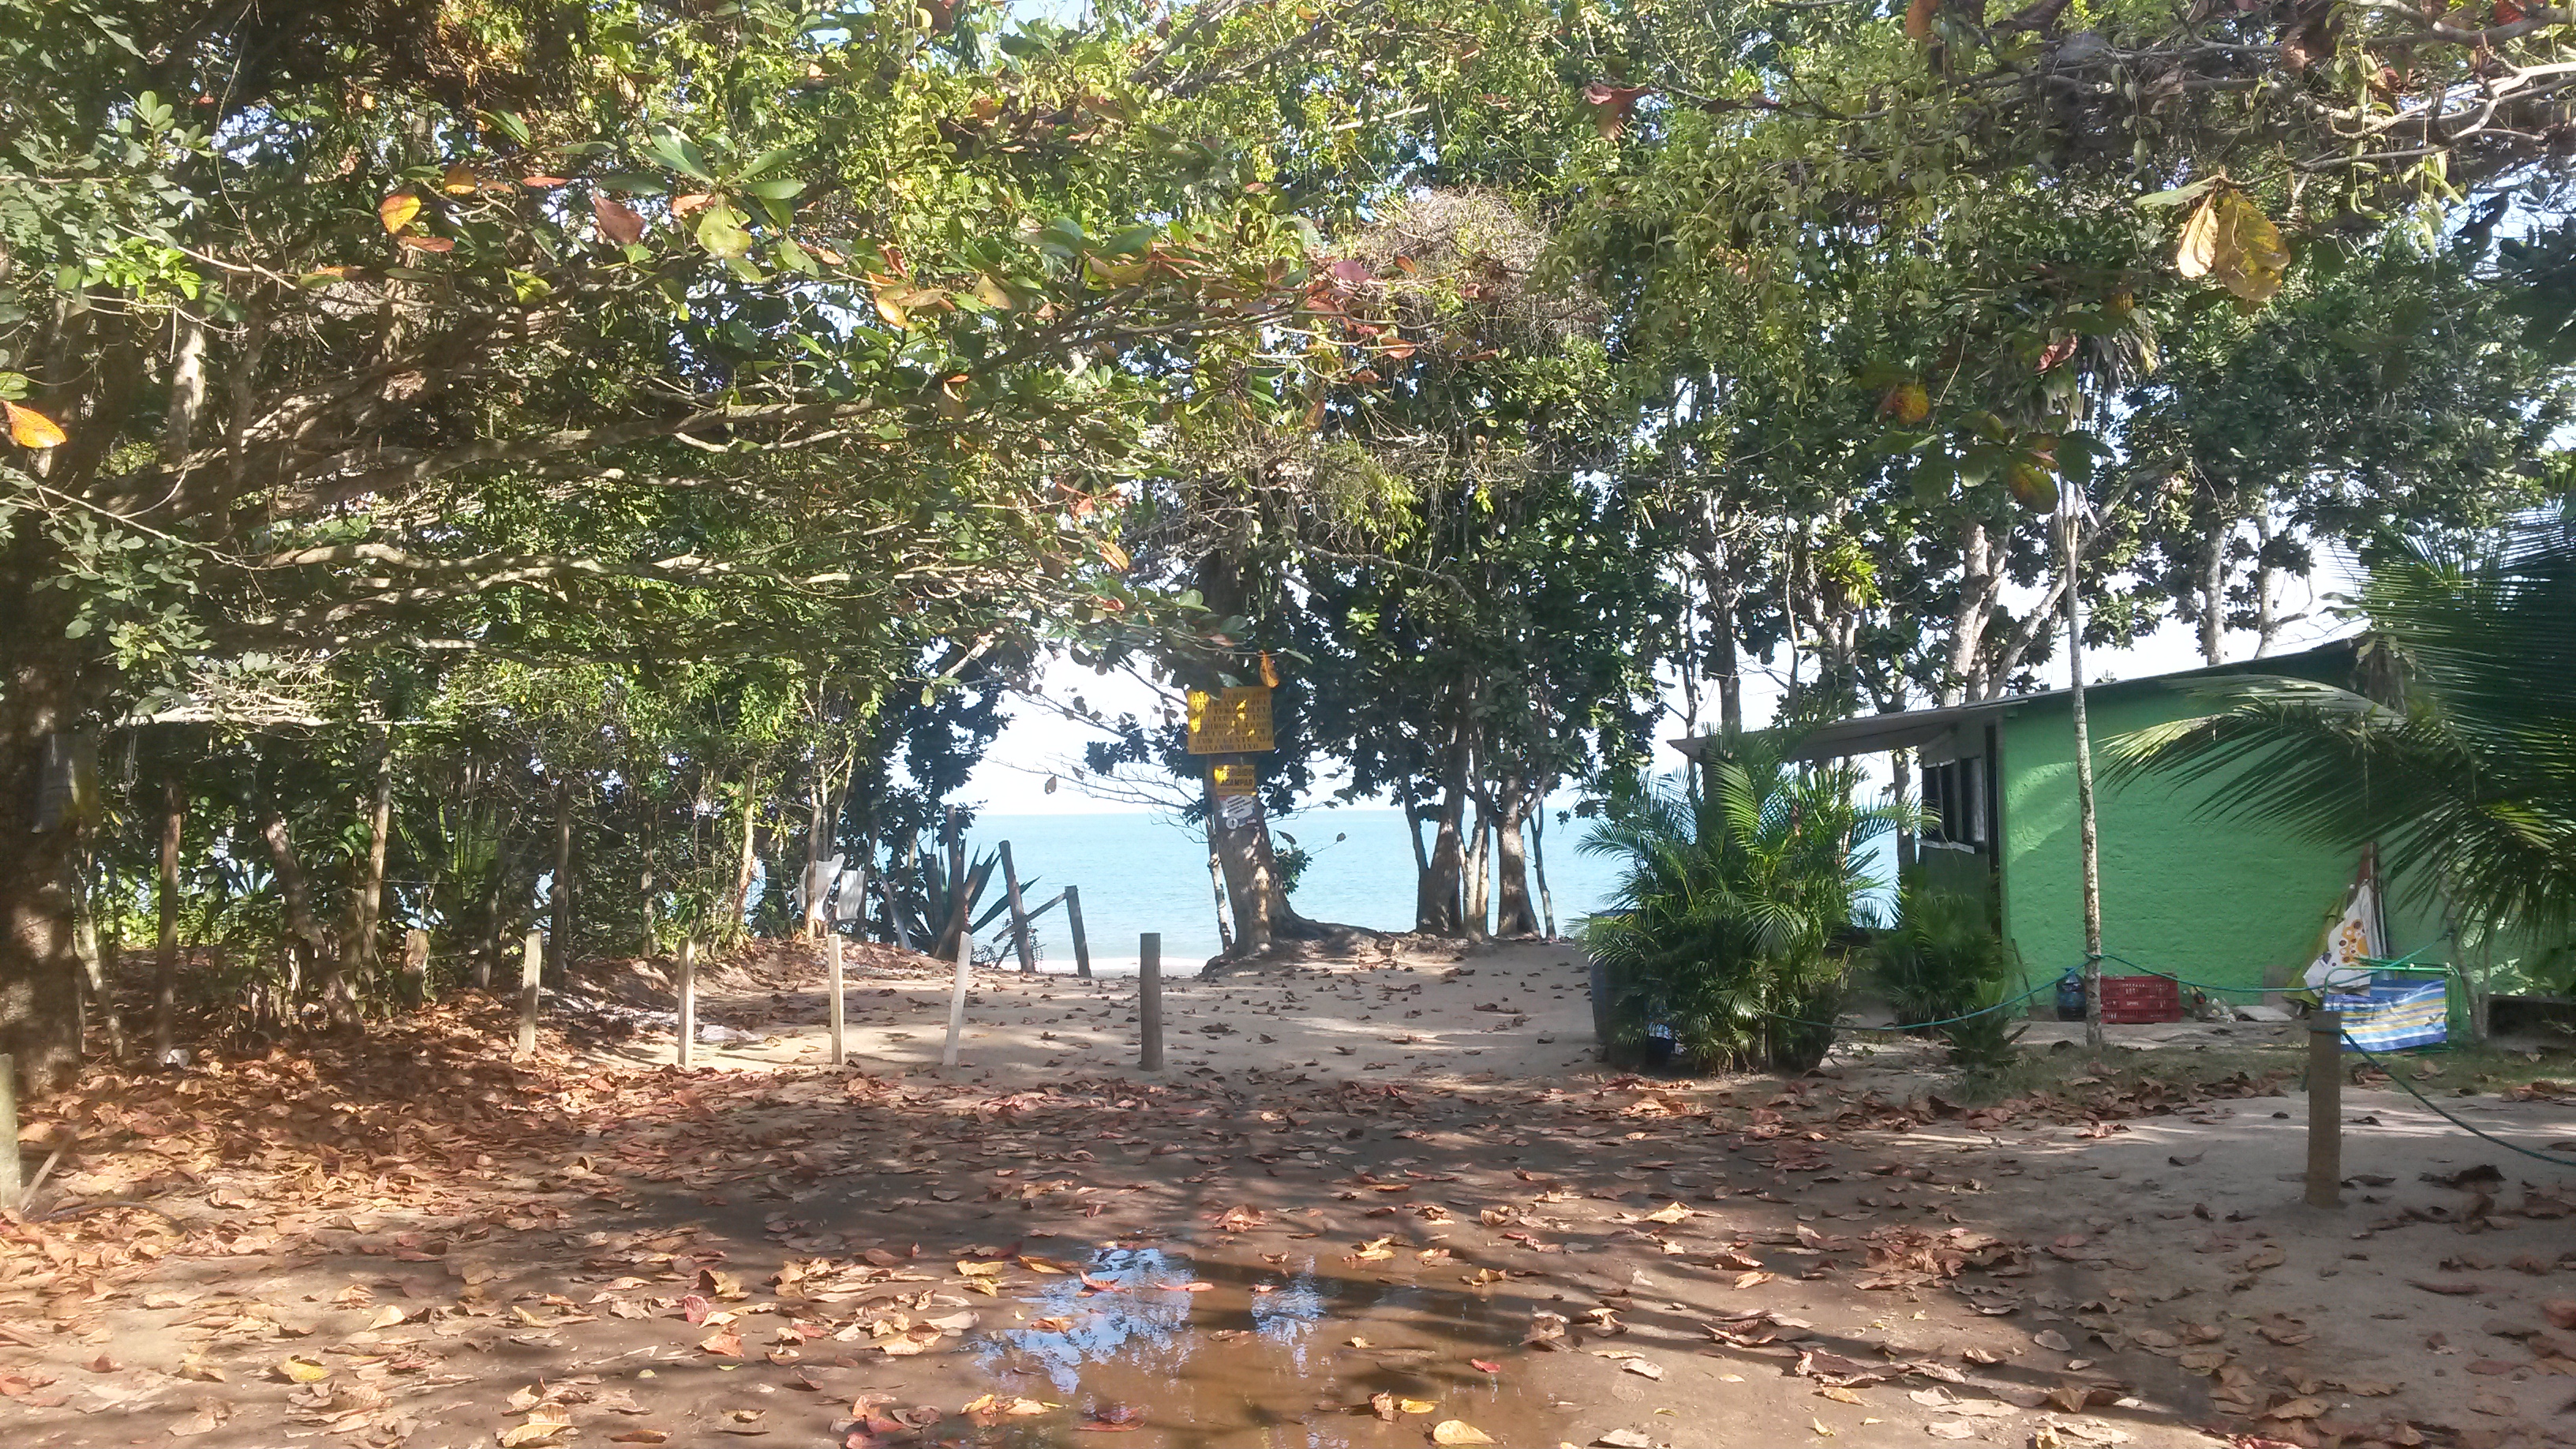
column 2466, row 760
column 532, row 326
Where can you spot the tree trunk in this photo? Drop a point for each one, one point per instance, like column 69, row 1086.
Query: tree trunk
column 2213, row 593
column 39, row 696
column 165, row 957
column 1253, row 888
column 2088, row 840
column 492, row 932
column 1436, row 905
column 731, row 928
column 95, row 966
column 1980, row 580
column 309, row 953
column 1478, row 876
column 1538, row 866
column 1900, row 767
column 559, row 895
column 1512, row 914
column 366, row 906
column 1216, row 894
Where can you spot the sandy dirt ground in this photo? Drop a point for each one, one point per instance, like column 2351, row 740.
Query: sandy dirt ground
column 1396, row 1203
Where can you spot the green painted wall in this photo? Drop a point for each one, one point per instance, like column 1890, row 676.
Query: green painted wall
column 2208, row 900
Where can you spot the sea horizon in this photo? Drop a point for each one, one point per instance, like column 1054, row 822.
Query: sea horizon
column 1139, row 871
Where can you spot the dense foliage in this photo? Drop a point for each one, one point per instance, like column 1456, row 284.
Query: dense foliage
column 489, row 464
column 1737, row 908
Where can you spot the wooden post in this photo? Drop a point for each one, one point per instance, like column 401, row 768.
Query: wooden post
column 1149, row 1001
column 1081, row 947
column 2325, row 1109
column 13, row 1188
column 687, row 1044
column 530, row 965
column 957, row 998
column 840, row 1037
column 1019, row 913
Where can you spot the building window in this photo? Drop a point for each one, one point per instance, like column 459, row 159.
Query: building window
column 1954, row 795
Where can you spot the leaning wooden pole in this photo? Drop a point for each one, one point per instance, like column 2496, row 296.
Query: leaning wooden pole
column 2085, row 820
column 1019, row 913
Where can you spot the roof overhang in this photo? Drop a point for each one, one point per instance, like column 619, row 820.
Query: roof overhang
column 1870, row 734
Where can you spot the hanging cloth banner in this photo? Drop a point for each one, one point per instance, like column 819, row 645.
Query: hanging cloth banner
column 2343, row 958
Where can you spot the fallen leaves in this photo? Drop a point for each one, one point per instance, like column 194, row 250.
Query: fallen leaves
column 1458, row 1431
column 546, row 1424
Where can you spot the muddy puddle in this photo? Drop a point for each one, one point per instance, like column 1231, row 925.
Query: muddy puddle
column 1190, row 1349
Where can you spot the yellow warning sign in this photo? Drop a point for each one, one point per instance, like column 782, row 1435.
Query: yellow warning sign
column 1233, row 722
column 1232, row 777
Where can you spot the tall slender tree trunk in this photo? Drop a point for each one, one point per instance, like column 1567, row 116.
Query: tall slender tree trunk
column 165, row 953
column 40, row 972
column 358, row 954
column 2085, row 822
column 494, row 887
column 1437, row 908
column 1478, row 877
column 1538, row 866
column 1512, row 913
column 2213, row 592
column 559, row 896
column 1216, row 892
column 309, row 954
column 1980, row 581
column 731, row 928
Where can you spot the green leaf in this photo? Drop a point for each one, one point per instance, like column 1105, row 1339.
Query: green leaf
column 2178, row 195
column 766, row 162
column 1130, row 242
column 507, row 123
column 776, row 188
column 680, row 154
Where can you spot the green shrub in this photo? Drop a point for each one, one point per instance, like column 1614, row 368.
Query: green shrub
column 1944, row 959
column 1724, row 927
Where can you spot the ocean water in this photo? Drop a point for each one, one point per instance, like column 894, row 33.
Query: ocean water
column 1139, row 872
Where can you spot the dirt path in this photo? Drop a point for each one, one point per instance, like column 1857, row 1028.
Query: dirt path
column 1282, row 1243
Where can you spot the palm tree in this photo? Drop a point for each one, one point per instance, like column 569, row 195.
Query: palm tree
column 1729, row 920
column 2461, row 756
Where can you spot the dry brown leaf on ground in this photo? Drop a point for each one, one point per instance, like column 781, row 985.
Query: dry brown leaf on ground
column 1458, row 1431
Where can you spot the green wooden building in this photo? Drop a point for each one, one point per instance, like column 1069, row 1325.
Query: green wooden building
column 2210, row 900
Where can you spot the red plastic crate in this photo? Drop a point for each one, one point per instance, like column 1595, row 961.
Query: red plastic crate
column 2140, row 1000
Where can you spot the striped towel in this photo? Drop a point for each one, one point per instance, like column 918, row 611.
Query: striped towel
column 2392, row 1018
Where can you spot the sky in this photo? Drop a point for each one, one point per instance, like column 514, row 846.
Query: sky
column 1038, row 743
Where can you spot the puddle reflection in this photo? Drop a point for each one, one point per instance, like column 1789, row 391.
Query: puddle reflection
column 1263, row 1355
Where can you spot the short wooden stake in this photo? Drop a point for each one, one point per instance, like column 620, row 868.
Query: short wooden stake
column 687, row 1045
column 1149, row 1001
column 1019, row 913
column 2325, row 1109
column 840, row 1022
column 13, row 1186
column 530, row 965
column 957, row 998
column 1081, row 947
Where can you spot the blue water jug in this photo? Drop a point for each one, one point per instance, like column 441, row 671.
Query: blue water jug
column 2070, row 997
